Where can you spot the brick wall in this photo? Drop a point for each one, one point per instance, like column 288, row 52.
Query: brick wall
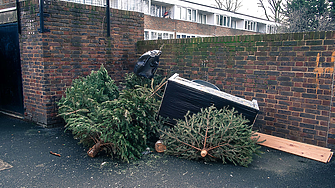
column 6, row 1
column 76, row 44
column 7, row 4
column 290, row 75
column 8, row 16
column 172, row 25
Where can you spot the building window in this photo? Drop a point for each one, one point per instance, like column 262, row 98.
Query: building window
column 271, row 29
column 115, row 4
column 233, row 24
column 177, row 13
column 171, row 36
column 157, row 11
column 132, row 5
column 145, row 6
column 153, row 10
column 183, row 13
column 153, row 35
column 202, row 18
column 146, row 35
column 194, row 15
column 189, row 14
column 165, row 36
column 249, row 25
column 223, row 20
column 219, row 20
column 157, row 35
column 163, row 11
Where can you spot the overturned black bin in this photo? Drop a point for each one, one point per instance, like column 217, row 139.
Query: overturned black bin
column 182, row 95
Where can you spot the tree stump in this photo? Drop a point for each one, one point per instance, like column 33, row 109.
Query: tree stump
column 160, row 147
column 93, row 151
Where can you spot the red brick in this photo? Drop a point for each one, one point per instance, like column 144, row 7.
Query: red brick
column 57, row 49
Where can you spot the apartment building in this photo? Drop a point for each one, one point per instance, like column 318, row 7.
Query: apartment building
column 169, row 19
column 185, row 19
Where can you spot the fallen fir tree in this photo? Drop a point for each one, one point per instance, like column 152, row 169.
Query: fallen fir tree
column 212, row 135
column 104, row 118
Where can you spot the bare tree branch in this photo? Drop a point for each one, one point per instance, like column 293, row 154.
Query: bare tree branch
column 276, row 9
column 261, row 5
column 229, row 5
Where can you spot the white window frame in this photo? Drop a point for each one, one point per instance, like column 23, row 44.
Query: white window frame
column 177, row 13
column 194, row 15
column 250, row 25
column 146, row 35
column 202, row 18
column 158, row 35
column 189, row 14
column 153, row 35
column 183, row 12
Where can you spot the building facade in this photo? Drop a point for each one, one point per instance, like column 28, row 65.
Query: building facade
column 193, row 19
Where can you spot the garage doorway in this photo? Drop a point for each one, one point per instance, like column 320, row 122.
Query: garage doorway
column 11, row 95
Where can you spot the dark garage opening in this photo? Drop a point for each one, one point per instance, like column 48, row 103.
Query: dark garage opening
column 11, row 96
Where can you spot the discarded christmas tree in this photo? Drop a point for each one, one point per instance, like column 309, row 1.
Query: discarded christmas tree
column 103, row 118
column 212, row 135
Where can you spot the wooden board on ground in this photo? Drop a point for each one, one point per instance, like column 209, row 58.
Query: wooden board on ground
column 297, row 148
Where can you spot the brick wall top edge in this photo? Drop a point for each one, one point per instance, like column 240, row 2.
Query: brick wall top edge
column 304, row 36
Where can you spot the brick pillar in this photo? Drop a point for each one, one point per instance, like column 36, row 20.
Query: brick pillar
column 75, row 44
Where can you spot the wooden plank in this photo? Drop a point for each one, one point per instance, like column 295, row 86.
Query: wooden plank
column 297, row 148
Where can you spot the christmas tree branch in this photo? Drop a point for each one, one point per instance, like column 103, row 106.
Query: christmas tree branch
column 184, row 142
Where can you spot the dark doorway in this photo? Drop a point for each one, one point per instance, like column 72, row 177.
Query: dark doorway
column 11, row 96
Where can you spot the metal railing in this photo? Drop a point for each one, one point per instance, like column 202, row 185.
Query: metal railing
column 130, row 5
column 101, row 3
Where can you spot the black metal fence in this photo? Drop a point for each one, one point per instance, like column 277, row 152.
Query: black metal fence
column 101, row 3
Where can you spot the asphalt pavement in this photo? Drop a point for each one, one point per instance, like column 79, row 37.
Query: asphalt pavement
column 26, row 147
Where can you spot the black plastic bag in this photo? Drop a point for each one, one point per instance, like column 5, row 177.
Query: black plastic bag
column 147, row 64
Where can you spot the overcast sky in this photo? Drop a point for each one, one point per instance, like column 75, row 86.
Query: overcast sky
column 249, row 7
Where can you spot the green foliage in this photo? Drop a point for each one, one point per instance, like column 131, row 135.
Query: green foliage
column 132, row 80
column 155, row 85
column 130, row 121
column 86, row 92
column 121, row 122
column 221, row 134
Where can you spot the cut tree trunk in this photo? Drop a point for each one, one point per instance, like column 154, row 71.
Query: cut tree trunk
column 93, row 151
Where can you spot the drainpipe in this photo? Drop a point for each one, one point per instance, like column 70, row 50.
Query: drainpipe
column 108, row 19
column 41, row 14
column 331, row 101
column 175, row 30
